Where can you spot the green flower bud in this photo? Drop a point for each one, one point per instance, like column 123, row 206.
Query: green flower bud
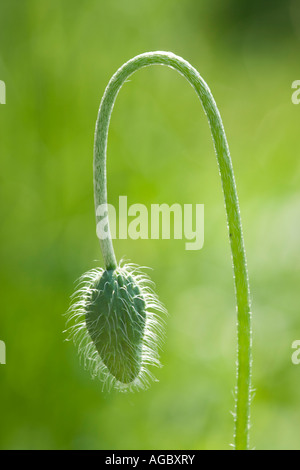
column 117, row 326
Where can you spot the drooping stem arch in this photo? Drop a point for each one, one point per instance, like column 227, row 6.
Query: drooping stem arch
column 244, row 340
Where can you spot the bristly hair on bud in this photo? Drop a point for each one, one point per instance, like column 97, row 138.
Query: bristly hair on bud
column 115, row 320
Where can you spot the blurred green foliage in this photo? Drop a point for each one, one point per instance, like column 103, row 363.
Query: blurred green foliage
column 56, row 59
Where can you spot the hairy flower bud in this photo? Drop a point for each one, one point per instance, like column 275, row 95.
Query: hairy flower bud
column 117, row 326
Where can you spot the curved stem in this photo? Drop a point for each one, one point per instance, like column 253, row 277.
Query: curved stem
column 242, row 404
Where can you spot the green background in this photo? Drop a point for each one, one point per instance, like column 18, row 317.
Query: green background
column 56, row 59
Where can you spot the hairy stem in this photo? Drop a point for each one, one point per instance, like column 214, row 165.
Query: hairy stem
column 242, row 404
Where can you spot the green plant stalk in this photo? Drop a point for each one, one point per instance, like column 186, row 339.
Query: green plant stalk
column 244, row 341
